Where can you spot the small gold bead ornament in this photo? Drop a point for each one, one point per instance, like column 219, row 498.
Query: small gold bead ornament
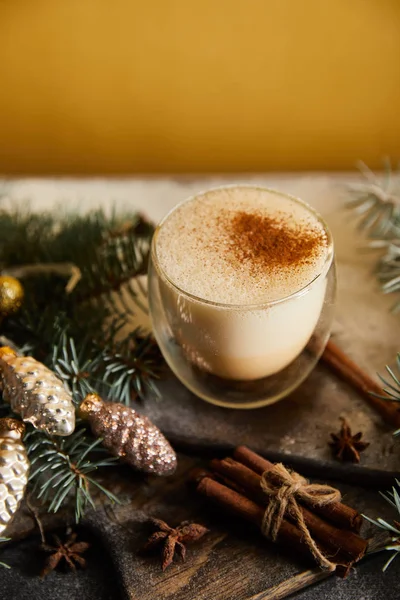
column 14, row 468
column 11, row 295
column 130, row 436
column 36, row 393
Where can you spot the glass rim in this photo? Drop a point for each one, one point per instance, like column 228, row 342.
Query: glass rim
column 263, row 303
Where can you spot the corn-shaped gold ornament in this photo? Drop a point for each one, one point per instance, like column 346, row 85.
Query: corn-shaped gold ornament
column 36, row 393
column 14, row 468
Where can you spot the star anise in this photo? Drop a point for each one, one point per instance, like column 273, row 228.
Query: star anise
column 70, row 551
column 174, row 539
column 347, row 447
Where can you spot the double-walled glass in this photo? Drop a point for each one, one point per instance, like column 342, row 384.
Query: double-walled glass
column 242, row 356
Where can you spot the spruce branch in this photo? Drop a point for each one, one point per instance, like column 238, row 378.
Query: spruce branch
column 388, row 269
column 131, row 366
column 393, row 498
column 78, row 334
column 380, row 206
column 67, row 331
column 376, row 203
column 25, row 236
column 117, row 262
column 62, row 468
column 108, row 254
column 78, row 369
column 391, row 383
column 36, row 331
column 123, row 370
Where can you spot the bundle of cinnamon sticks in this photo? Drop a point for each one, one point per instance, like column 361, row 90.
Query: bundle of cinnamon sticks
column 234, row 485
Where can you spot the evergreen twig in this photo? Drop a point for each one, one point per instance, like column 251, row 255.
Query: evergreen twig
column 391, row 385
column 376, row 203
column 76, row 368
column 393, row 498
column 62, row 468
column 132, row 374
column 77, row 334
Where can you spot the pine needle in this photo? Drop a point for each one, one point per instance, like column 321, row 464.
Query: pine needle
column 376, row 205
column 62, row 468
column 80, row 334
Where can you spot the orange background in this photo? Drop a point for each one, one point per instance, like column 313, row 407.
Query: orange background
column 101, row 86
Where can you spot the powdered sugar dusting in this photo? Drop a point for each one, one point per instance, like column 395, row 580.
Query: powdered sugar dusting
column 198, row 248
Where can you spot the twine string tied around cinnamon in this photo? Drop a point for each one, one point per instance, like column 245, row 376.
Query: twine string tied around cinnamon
column 284, row 488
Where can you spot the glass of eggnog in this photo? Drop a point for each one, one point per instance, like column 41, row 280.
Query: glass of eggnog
column 241, row 292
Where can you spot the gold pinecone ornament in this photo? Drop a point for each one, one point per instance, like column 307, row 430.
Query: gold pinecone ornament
column 36, row 394
column 11, row 295
column 130, row 436
column 14, row 468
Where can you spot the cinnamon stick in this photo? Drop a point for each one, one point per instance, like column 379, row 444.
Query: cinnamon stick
column 237, row 504
column 334, row 539
column 240, row 506
column 337, row 512
column 343, row 366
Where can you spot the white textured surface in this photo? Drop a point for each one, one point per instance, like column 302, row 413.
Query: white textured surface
column 156, row 196
column 364, row 326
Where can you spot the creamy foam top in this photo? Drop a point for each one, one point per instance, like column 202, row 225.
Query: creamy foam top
column 241, row 245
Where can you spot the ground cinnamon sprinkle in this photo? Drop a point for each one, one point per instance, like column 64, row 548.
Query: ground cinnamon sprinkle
column 263, row 242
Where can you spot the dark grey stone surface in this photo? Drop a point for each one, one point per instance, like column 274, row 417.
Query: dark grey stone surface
column 295, row 430
column 21, row 582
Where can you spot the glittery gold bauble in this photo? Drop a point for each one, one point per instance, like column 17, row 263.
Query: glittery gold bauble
column 14, row 467
column 35, row 393
column 129, row 435
column 11, row 295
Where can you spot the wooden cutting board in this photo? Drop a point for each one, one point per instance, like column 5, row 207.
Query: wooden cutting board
column 232, row 562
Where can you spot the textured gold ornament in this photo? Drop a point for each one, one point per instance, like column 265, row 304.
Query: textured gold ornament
column 11, row 295
column 14, row 467
column 129, row 435
column 35, row 393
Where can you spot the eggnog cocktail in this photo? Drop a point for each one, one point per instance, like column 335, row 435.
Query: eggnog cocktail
column 242, row 279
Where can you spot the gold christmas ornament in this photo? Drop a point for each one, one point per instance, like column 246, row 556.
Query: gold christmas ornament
column 129, row 435
column 11, row 295
column 14, row 467
column 36, row 394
